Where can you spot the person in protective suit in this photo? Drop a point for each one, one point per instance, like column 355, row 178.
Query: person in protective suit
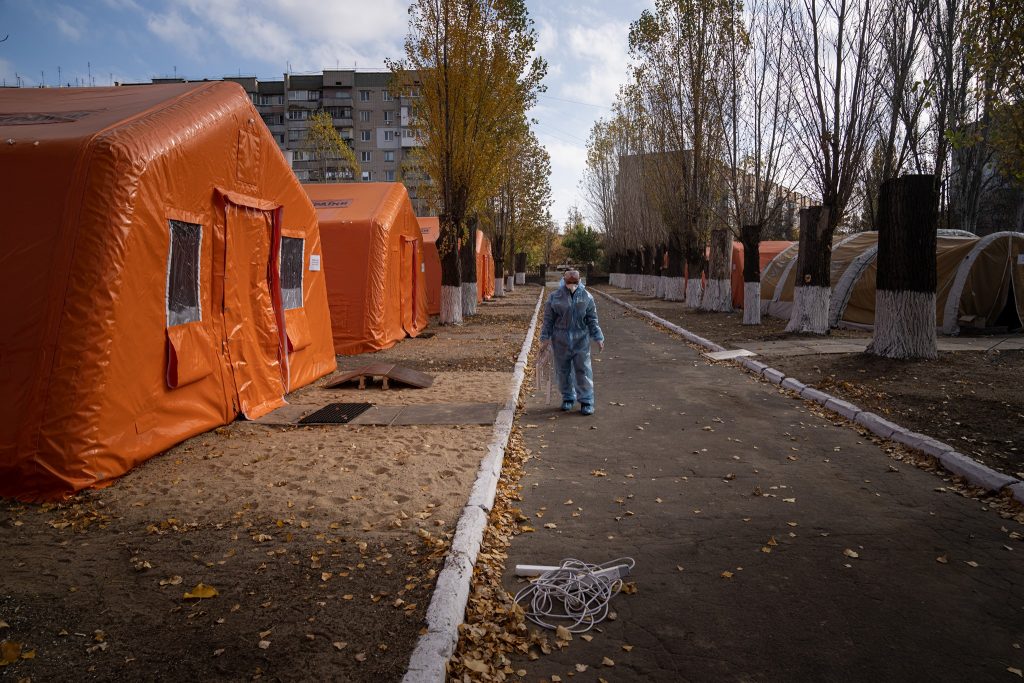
column 570, row 323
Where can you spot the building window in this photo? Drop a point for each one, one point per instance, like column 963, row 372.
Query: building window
column 364, row 95
column 295, row 135
column 297, row 115
column 292, row 262
column 389, row 135
column 183, row 273
column 389, row 156
column 313, row 95
column 389, row 176
column 298, row 95
column 364, row 116
column 364, row 157
column 388, row 116
column 386, row 95
column 366, row 176
column 364, row 135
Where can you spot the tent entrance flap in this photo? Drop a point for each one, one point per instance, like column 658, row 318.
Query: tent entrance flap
column 408, row 294
column 250, row 309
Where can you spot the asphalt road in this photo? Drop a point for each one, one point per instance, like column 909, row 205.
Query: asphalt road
column 705, row 468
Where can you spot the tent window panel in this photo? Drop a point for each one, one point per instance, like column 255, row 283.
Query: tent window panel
column 183, row 273
column 292, row 260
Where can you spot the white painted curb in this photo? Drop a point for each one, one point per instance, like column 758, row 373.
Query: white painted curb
column 451, row 593
column 957, row 463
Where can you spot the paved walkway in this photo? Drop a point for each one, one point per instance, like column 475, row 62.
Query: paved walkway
column 706, row 468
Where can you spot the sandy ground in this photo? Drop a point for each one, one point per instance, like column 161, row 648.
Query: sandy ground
column 322, row 542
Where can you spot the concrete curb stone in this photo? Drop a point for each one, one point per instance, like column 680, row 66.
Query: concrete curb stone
column 974, row 472
column 1018, row 491
column 955, row 462
column 793, row 385
column 429, row 659
column 877, row 424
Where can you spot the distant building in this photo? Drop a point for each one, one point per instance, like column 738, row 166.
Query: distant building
column 373, row 120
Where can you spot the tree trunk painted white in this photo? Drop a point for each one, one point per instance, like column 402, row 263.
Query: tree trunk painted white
column 810, row 310
column 613, row 279
column 694, row 293
column 451, row 305
column 718, row 296
column 468, row 299
column 651, row 285
column 675, row 289
column 751, row 303
column 499, row 286
column 638, row 283
column 904, row 325
column 510, row 283
column 520, row 278
column 662, row 284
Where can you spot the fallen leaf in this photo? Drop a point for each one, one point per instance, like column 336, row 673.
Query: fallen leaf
column 475, row 665
column 347, row 596
column 1015, row 670
column 562, row 633
column 201, row 591
column 789, row 500
column 607, row 662
column 851, row 553
column 218, row 652
column 10, row 652
column 264, row 644
column 4, row 624
column 550, row 525
column 339, row 645
column 942, row 559
column 580, row 668
column 726, row 575
column 587, row 637
column 658, row 500
column 264, row 634
column 171, row 581
column 599, row 473
column 971, row 563
column 326, row 576
column 627, row 648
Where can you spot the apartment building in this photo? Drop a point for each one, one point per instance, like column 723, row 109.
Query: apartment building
column 372, row 119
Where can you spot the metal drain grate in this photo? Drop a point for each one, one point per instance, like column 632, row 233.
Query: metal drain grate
column 336, row 413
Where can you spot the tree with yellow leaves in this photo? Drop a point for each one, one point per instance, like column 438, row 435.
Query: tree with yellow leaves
column 470, row 72
column 326, row 145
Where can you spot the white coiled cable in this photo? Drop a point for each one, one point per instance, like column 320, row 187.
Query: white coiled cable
column 576, row 592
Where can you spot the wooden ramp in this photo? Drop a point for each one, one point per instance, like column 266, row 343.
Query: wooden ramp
column 387, row 372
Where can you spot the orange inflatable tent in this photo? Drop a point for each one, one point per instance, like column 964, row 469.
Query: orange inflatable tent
column 766, row 251
column 430, row 228
column 161, row 275
column 484, row 267
column 374, row 263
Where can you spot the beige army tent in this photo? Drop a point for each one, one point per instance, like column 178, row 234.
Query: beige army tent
column 980, row 281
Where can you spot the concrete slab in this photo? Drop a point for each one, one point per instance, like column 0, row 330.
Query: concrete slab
column 730, row 354
column 448, row 414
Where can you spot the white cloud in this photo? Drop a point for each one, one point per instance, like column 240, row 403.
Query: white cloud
column 68, row 21
column 173, row 29
column 603, row 55
column 309, row 35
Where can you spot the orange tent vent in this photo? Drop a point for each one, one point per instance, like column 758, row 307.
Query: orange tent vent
column 374, row 263
column 164, row 276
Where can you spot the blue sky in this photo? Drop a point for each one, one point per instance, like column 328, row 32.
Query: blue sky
column 134, row 40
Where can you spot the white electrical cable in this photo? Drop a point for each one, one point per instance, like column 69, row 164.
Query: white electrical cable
column 574, row 592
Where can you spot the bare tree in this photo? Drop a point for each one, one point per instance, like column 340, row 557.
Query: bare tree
column 836, row 57
column 758, row 105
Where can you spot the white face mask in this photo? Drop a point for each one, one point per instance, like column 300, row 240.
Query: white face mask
column 571, row 286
